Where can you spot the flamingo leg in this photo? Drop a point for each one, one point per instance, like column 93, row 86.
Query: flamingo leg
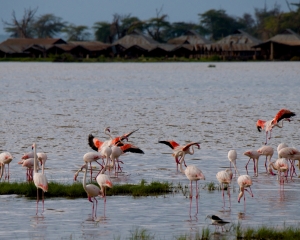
column 245, row 166
column 222, row 185
column 43, row 198
column 228, row 191
column 37, row 201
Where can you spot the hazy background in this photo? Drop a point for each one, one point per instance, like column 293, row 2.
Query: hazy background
column 86, row 13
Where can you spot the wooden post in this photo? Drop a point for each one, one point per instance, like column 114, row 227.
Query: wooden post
column 272, row 51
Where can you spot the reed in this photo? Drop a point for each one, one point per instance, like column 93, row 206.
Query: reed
column 76, row 190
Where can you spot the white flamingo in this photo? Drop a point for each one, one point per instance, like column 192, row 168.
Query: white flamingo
column 5, row 159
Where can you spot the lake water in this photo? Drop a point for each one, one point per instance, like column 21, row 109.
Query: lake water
column 57, row 105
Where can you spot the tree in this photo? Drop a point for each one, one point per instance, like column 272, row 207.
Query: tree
column 76, row 33
column 178, row 29
column 155, row 26
column 218, row 23
column 21, row 28
column 48, row 25
column 102, row 32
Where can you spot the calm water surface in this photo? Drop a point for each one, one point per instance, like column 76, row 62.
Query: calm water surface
column 58, row 105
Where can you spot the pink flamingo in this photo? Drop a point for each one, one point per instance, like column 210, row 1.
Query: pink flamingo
column 193, row 173
column 92, row 190
column 282, row 114
column 29, row 164
column 267, row 151
column 282, row 166
column 224, row 177
column 118, row 151
column 186, row 149
column 39, row 179
column 232, row 156
column 90, row 157
column 5, row 158
column 254, row 155
column 244, row 182
column 104, row 181
column 292, row 154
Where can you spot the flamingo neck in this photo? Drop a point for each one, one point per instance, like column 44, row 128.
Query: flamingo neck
column 34, row 158
column 84, row 177
column 181, row 160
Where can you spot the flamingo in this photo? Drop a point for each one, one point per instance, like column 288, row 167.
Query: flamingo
column 192, row 173
column 244, row 182
column 96, row 144
column 92, row 190
column 217, row 221
column 118, row 151
column 185, row 149
column 282, row 166
column 5, row 158
column 254, row 155
column 39, row 179
column 292, row 154
column 232, row 156
column 267, row 151
column 104, row 181
column 90, row 157
column 282, row 114
column 29, row 164
column 281, row 146
column 224, row 177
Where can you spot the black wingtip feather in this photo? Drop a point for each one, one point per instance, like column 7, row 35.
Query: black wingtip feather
column 91, row 142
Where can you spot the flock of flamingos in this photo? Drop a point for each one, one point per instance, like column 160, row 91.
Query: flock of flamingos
column 107, row 153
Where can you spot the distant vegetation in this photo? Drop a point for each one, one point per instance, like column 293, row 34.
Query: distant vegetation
column 214, row 24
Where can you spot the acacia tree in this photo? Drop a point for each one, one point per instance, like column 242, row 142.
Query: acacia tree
column 157, row 25
column 48, row 25
column 21, row 28
column 102, row 32
column 76, row 33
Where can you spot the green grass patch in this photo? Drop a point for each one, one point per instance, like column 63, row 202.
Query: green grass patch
column 76, row 190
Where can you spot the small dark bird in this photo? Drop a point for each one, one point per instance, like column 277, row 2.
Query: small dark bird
column 218, row 222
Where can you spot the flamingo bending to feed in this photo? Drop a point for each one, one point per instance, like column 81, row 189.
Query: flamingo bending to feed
column 267, row 151
column 91, row 190
column 89, row 158
column 282, row 114
column 254, row 155
column 192, row 173
column 118, row 151
column 29, row 164
column 224, row 177
column 244, row 182
column 5, row 158
column 292, row 154
column 39, row 179
column 232, row 156
column 282, row 166
column 185, row 149
column 281, row 146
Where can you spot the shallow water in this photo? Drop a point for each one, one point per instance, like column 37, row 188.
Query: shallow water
column 57, row 105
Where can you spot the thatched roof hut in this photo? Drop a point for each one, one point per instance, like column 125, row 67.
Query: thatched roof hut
column 282, row 46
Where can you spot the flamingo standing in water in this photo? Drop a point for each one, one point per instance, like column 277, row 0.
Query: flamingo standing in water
column 232, row 156
column 192, row 173
column 104, row 181
column 5, row 159
column 292, row 154
column 244, row 182
column 39, row 179
column 185, row 149
column 282, row 114
column 91, row 190
column 90, row 157
column 254, row 155
column 224, row 177
column 267, row 151
column 282, row 166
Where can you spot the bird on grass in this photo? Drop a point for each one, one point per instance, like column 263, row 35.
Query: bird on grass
column 218, row 222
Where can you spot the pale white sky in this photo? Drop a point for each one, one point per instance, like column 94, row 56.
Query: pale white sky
column 87, row 12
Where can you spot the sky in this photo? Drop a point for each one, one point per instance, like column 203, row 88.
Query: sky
column 87, row 12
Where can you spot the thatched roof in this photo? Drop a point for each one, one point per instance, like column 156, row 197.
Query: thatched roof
column 30, row 41
column 191, row 37
column 135, row 38
column 238, row 41
column 287, row 37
